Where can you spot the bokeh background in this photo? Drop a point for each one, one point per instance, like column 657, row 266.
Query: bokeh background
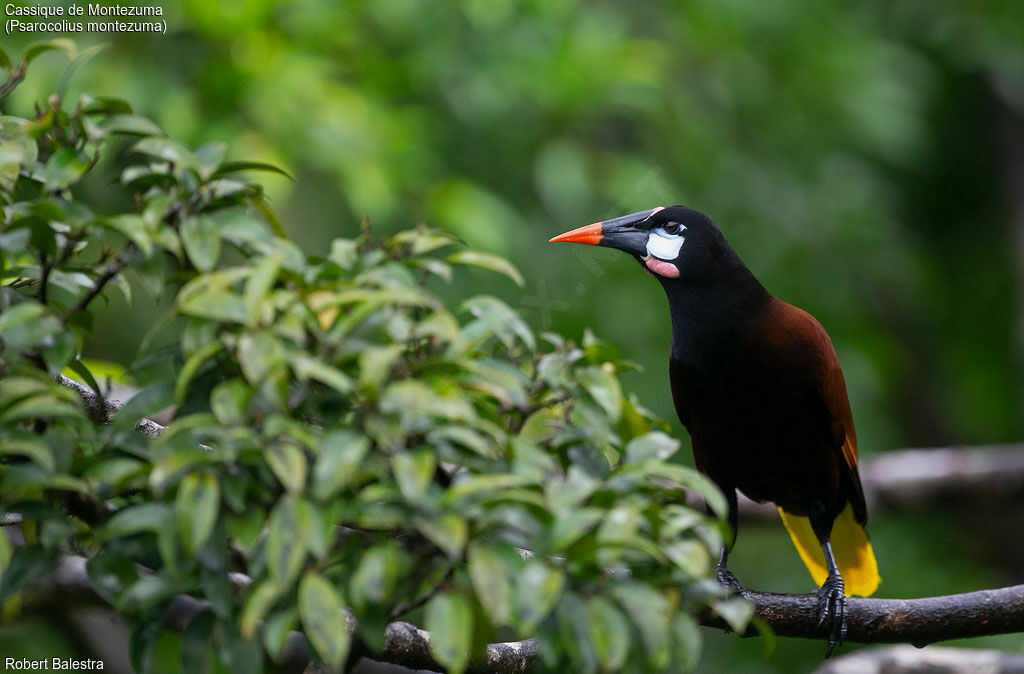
column 866, row 159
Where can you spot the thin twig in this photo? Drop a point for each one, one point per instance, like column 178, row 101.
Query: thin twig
column 113, row 270
column 405, row 607
column 16, row 77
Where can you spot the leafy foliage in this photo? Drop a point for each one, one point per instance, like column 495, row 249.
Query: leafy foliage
column 352, row 443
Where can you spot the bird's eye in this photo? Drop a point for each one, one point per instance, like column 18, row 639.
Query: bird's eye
column 669, row 230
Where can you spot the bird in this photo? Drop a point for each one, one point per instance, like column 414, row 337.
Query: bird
column 757, row 384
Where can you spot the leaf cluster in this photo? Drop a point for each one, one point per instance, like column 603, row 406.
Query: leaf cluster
column 357, row 448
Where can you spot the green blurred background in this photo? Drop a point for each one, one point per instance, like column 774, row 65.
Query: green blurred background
column 866, row 159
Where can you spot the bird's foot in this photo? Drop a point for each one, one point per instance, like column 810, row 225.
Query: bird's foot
column 727, row 580
column 832, row 605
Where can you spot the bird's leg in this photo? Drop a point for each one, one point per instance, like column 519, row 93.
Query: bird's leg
column 724, row 576
column 832, row 601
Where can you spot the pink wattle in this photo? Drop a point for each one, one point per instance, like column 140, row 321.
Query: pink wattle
column 660, row 267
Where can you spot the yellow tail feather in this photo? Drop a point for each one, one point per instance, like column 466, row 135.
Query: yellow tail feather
column 850, row 545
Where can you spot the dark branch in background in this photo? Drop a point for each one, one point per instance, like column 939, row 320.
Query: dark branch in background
column 111, row 271
column 908, row 477
column 910, row 660
column 913, row 478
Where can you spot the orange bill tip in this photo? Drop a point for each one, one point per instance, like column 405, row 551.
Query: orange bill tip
column 589, row 234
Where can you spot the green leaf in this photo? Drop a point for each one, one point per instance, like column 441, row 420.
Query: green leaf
column 494, row 263
column 337, row 463
column 110, row 573
column 229, row 401
column 26, row 325
column 133, row 125
column 690, row 478
column 192, row 365
column 27, row 565
column 344, row 253
column 230, row 167
column 375, row 364
column 141, row 518
column 538, row 589
column 166, row 149
column 489, row 576
column 493, row 318
column 320, row 607
column 196, row 644
column 258, row 354
column 262, row 598
column 34, row 49
column 143, row 640
column 686, row 638
column 571, row 526
column 736, row 612
column 64, row 167
column 145, row 593
column 76, row 64
column 375, row 578
column 449, row 619
column 306, row 367
column 413, row 472
column 689, row 555
column 448, row 532
column 609, row 633
column 484, row 483
column 209, row 158
column 201, row 240
column 134, row 228
column 145, row 403
column 220, row 305
column 288, row 464
column 650, row 612
column 14, row 442
column 84, row 375
column 417, row 403
column 6, row 552
column 654, row 445
column 196, row 508
column 603, row 386
column 574, row 631
column 261, row 280
column 288, row 531
column 276, row 631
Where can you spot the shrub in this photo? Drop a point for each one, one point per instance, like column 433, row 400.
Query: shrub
column 352, row 444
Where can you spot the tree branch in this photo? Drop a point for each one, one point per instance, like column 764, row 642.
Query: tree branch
column 915, row 621
column 915, row 478
column 111, row 271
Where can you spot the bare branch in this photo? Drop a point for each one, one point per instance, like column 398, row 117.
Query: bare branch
column 914, row 478
column 915, row 621
column 102, row 410
column 111, row 271
column 910, row 660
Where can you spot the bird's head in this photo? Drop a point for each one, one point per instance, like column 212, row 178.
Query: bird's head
column 671, row 243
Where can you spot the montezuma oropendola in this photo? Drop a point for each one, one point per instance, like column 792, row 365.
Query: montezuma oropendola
column 757, row 384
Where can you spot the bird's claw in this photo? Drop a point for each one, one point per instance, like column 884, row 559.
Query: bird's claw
column 832, row 605
column 727, row 580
